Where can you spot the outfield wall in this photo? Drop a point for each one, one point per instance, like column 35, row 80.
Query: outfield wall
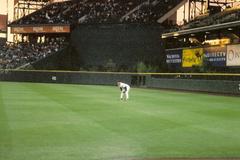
column 215, row 86
column 64, row 77
column 219, row 83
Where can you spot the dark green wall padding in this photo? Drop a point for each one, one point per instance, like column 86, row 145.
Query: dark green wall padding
column 105, row 78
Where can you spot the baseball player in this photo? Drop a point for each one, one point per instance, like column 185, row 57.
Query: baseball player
column 124, row 88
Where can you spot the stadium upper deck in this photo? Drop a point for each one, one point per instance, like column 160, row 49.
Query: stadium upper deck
column 228, row 15
column 208, row 43
column 227, row 19
column 99, row 11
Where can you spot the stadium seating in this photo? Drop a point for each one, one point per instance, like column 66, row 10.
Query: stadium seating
column 109, row 11
column 16, row 55
column 228, row 15
column 151, row 11
column 99, row 11
column 76, row 12
column 53, row 13
column 70, row 12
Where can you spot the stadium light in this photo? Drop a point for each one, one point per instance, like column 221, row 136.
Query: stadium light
column 222, row 41
column 175, row 34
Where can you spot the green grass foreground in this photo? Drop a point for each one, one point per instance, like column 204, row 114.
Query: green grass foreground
column 82, row 122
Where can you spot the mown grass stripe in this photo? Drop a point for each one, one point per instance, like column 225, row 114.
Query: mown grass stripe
column 69, row 122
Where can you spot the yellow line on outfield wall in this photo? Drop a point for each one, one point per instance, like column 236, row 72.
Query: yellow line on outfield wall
column 126, row 73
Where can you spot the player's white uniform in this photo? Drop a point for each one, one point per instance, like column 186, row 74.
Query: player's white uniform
column 125, row 88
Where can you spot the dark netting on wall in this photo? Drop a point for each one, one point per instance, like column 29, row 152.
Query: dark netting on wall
column 117, row 46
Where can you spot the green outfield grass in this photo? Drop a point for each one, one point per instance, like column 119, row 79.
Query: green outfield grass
column 82, row 122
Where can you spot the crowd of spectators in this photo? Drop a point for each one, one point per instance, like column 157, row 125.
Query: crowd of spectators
column 150, row 11
column 52, row 13
column 228, row 15
column 109, row 11
column 14, row 55
column 88, row 11
column 99, row 11
column 117, row 11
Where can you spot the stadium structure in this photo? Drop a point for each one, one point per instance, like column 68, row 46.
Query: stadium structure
column 208, row 42
column 112, row 34
column 3, row 26
column 59, row 69
column 94, row 30
column 125, row 36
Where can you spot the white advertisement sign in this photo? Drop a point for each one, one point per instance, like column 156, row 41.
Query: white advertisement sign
column 233, row 55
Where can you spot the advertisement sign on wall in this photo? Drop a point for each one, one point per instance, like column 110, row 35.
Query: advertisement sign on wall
column 233, row 55
column 174, row 57
column 41, row 29
column 216, row 56
column 192, row 57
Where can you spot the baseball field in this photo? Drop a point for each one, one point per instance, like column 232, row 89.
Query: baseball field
column 89, row 122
